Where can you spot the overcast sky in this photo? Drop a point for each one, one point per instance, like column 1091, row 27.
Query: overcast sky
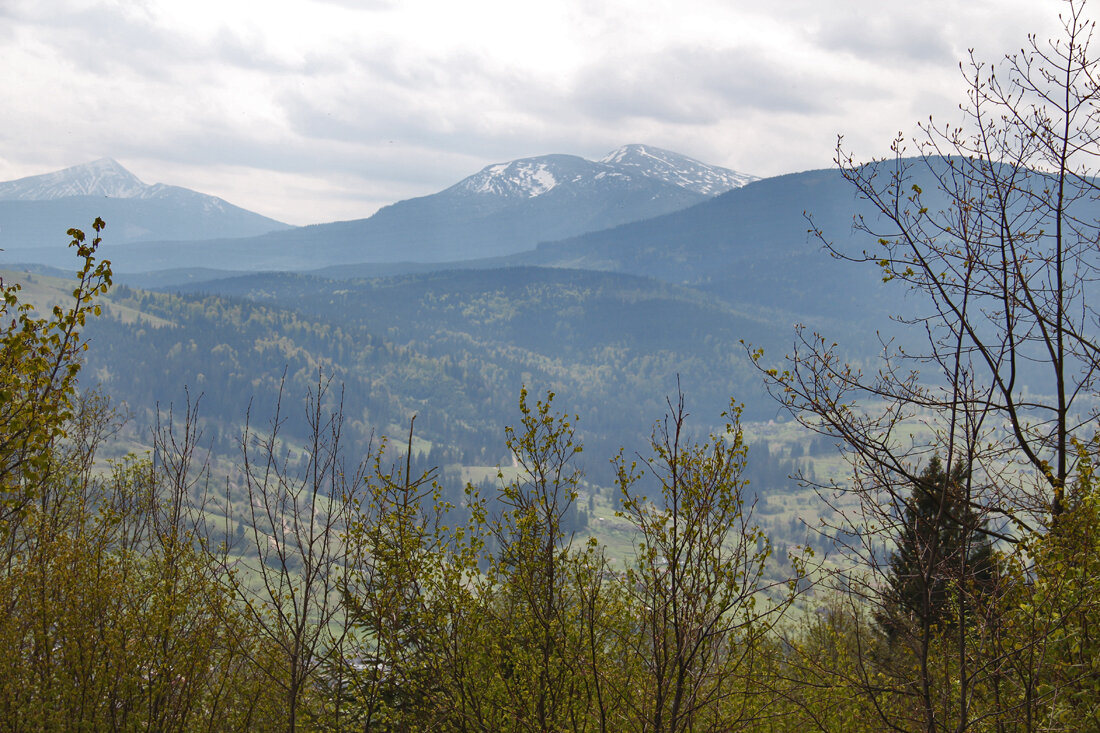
column 317, row 110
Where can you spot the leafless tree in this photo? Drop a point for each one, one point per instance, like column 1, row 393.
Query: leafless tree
column 994, row 225
column 297, row 502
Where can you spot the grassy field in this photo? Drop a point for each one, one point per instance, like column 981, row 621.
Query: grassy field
column 44, row 292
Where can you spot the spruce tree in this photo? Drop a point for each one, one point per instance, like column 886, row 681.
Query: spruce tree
column 941, row 545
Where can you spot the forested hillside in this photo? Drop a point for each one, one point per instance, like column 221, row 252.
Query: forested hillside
column 452, row 348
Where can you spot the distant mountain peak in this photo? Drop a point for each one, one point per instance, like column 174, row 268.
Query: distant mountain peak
column 528, row 178
column 677, row 169
column 634, row 150
column 102, row 165
column 103, row 177
column 34, row 209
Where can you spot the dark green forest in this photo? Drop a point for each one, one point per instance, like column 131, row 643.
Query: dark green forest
column 482, row 499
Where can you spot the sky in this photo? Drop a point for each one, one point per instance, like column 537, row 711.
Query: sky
column 320, row 110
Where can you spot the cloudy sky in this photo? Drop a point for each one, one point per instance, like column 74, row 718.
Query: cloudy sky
column 317, row 110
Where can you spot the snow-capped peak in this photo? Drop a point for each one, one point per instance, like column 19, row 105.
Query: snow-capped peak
column 103, row 177
column 679, row 170
column 529, row 178
column 523, row 178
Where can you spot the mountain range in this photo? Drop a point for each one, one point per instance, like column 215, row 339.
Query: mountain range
column 613, row 281
column 35, row 212
column 503, row 209
column 639, row 211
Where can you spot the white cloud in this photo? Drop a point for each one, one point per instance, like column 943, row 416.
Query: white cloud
column 318, row 110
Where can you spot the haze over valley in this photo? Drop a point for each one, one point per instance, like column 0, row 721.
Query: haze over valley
column 462, row 274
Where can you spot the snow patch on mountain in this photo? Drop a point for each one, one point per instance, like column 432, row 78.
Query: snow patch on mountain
column 677, row 169
column 526, row 178
column 540, row 180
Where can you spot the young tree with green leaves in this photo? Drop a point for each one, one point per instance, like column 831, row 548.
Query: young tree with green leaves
column 539, row 674
column 110, row 618
column 39, row 362
column 1046, row 648
column 701, row 604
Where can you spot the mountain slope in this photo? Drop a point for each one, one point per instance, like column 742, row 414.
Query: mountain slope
column 749, row 246
column 36, row 211
column 751, row 243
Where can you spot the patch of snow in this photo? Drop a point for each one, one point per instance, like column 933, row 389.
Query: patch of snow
column 519, row 179
column 540, row 181
column 676, row 169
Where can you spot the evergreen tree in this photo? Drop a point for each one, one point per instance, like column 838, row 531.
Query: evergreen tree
column 941, row 545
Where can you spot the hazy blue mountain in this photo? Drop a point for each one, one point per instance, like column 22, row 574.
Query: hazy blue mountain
column 752, row 244
column 103, row 177
column 181, row 277
column 749, row 246
column 503, row 209
column 35, row 212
